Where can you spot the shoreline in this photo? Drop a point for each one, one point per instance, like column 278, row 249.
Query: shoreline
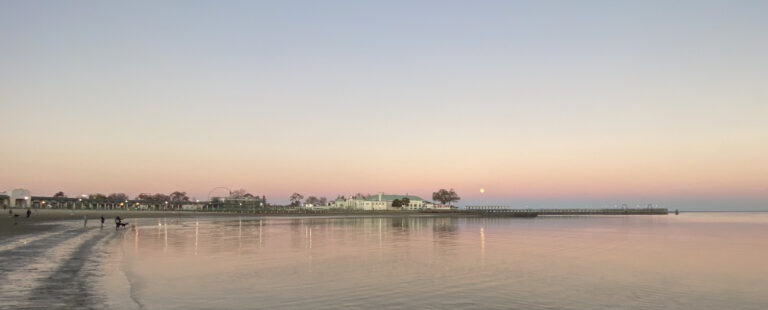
column 42, row 220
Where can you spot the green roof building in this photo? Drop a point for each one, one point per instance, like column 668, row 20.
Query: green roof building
column 379, row 201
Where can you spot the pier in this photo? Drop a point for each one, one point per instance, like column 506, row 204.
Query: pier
column 491, row 210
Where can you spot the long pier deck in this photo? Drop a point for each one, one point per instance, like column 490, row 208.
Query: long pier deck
column 512, row 212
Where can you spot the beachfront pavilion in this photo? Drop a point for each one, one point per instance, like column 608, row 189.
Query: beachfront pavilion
column 17, row 198
column 45, row 202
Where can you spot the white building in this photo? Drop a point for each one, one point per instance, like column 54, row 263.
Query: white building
column 17, row 198
column 379, row 201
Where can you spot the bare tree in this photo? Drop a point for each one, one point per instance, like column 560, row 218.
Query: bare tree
column 97, row 197
column 153, row 197
column 312, row 200
column 160, row 197
column 179, row 196
column 117, row 197
column 296, row 199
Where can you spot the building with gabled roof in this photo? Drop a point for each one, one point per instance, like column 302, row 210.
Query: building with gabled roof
column 379, row 201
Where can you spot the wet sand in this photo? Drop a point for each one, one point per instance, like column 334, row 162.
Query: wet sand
column 52, row 260
column 46, row 219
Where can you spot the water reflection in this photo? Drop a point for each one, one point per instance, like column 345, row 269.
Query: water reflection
column 245, row 234
column 434, row 262
column 482, row 243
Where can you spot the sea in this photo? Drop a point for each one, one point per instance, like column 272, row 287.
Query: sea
column 694, row 260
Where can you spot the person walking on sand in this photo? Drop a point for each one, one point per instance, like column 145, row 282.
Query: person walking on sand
column 85, row 220
column 29, row 212
column 102, row 221
column 118, row 221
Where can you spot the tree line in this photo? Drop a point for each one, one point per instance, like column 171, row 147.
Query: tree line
column 443, row 196
column 173, row 197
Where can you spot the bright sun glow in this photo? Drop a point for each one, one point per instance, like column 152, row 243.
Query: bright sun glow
column 482, row 190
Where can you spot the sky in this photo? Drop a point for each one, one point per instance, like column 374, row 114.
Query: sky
column 541, row 103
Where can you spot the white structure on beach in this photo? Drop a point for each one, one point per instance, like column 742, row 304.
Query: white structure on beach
column 379, row 201
column 17, row 198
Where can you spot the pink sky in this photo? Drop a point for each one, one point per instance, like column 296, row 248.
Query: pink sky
column 616, row 101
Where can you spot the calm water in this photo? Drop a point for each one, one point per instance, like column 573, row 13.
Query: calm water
column 690, row 261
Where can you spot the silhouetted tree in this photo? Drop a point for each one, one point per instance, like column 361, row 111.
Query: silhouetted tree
column 117, row 197
column 445, row 196
column 160, row 197
column 179, row 197
column 397, row 203
column 405, row 201
column 312, row 200
column 59, row 195
column 296, row 199
column 156, row 198
column 97, row 197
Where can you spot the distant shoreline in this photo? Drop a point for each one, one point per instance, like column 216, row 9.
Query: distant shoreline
column 44, row 219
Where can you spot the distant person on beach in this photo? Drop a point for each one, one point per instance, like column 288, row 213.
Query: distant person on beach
column 29, row 212
column 118, row 221
column 10, row 212
column 85, row 220
column 102, row 221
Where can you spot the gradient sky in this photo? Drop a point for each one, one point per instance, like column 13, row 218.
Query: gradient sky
column 542, row 103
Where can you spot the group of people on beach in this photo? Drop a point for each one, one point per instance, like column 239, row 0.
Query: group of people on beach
column 118, row 222
column 29, row 213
